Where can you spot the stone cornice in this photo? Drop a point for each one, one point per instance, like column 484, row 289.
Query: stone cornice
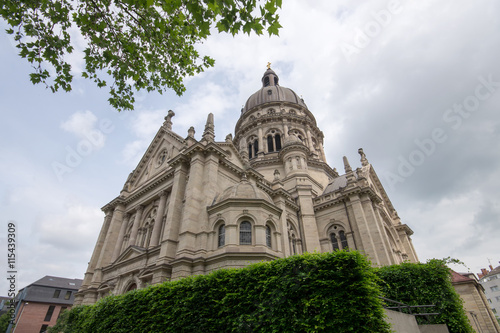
column 404, row 228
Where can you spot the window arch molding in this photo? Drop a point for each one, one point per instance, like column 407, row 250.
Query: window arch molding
column 273, row 140
column 129, row 284
column 146, row 227
column 270, row 234
column 294, row 240
column 253, row 146
column 246, row 230
column 338, row 237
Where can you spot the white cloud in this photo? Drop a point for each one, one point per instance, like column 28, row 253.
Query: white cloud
column 84, row 125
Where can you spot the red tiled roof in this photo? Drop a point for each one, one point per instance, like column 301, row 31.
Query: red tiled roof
column 457, row 277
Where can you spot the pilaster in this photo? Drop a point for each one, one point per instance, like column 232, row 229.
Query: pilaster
column 155, row 237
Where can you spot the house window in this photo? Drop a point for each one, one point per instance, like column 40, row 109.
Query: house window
column 293, row 245
column 68, row 295
column 56, row 293
column 339, row 241
column 268, row 236
column 50, row 311
column 343, row 239
column 277, row 139
column 44, row 328
column 222, row 236
column 494, row 310
column 62, row 309
column 494, row 288
column 245, row 233
column 489, row 300
column 270, row 146
column 253, row 148
column 266, row 81
column 335, row 242
column 497, row 298
column 273, row 142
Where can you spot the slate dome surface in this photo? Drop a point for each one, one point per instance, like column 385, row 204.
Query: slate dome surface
column 271, row 91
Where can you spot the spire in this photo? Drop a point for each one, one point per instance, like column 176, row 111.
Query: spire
column 168, row 120
column 209, row 133
column 347, row 166
column 364, row 160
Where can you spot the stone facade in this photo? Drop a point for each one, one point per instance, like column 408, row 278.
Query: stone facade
column 191, row 207
column 476, row 306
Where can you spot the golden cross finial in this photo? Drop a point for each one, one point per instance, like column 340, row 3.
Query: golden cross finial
column 268, row 65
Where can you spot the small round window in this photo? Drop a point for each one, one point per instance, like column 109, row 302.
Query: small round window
column 161, row 157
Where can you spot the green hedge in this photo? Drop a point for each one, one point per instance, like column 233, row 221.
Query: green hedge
column 426, row 284
column 329, row 292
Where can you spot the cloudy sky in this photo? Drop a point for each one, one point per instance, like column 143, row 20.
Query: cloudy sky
column 417, row 85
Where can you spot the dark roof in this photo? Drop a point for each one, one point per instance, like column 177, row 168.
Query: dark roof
column 493, row 272
column 457, row 277
column 58, row 282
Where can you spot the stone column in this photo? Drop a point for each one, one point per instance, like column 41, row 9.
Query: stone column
column 155, row 237
column 365, row 232
column 119, row 241
column 98, row 247
column 175, row 207
column 309, row 140
column 135, row 227
column 310, row 228
column 262, row 142
column 109, row 242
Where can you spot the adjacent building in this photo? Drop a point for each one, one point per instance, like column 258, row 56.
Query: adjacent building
column 476, row 305
column 490, row 280
column 39, row 305
column 265, row 192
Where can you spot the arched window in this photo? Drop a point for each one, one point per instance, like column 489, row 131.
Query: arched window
column 270, row 146
column 245, row 233
column 222, row 236
column 335, row 242
column 266, row 81
column 133, row 286
column 277, row 139
column 253, row 148
column 273, row 141
column 293, row 245
column 268, row 236
column 343, row 240
column 339, row 240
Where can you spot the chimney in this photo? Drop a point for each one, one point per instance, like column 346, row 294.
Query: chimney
column 491, row 268
column 484, row 271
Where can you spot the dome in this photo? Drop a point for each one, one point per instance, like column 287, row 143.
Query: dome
column 271, row 91
column 243, row 190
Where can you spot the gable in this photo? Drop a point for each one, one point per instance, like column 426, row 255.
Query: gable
column 164, row 147
column 130, row 253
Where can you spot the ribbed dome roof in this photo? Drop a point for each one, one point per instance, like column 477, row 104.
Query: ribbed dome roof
column 243, row 190
column 271, row 91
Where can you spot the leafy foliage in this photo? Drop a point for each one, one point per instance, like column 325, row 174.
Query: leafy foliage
column 426, row 284
column 331, row 292
column 4, row 321
column 139, row 44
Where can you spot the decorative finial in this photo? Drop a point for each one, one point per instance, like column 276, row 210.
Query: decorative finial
column 364, row 160
column 191, row 132
column 268, row 65
column 168, row 119
column 347, row 166
column 209, row 133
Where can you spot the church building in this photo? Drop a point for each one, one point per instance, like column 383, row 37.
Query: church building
column 192, row 207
